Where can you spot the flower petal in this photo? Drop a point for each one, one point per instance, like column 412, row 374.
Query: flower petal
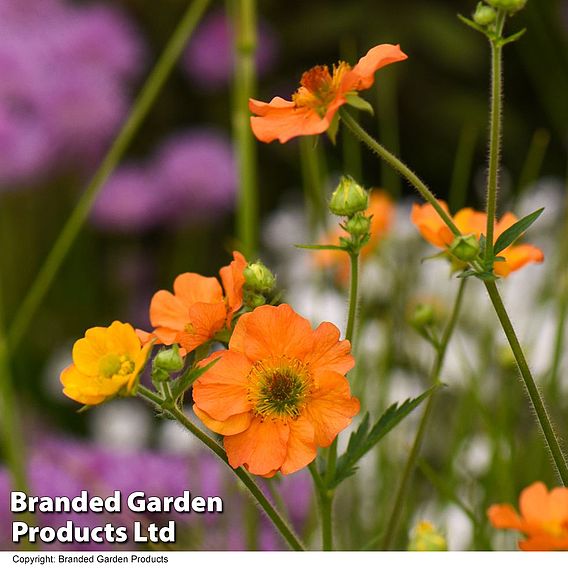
column 204, row 321
column 362, row 75
column 331, row 408
column 233, row 280
column 516, row 256
column 222, row 391
column 168, row 311
column 504, row 517
column 329, row 353
column 283, row 123
column 261, row 448
column 301, row 449
column 430, row 224
column 191, row 288
column 233, row 425
column 271, row 331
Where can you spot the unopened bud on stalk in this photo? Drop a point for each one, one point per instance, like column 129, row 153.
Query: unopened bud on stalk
column 167, row 361
column 510, row 6
column 427, row 539
column 465, row 248
column 258, row 278
column 484, row 15
column 358, row 225
column 423, row 316
column 349, row 198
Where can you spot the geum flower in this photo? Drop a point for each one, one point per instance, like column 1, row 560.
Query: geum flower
column 315, row 103
column 106, row 363
column 278, row 392
column 197, row 309
column 381, row 210
column 472, row 222
column 543, row 519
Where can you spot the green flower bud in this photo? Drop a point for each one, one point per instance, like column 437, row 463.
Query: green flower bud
column 510, row 6
column 349, row 198
column 465, row 247
column 169, row 360
column 484, row 15
column 358, row 225
column 253, row 300
column 258, row 278
column 423, row 316
column 427, row 539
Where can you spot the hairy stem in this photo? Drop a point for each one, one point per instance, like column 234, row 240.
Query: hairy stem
column 495, row 127
column 399, row 166
column 535, row 397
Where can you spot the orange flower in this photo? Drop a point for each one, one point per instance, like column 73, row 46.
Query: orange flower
column 278, row 392
column 469, row 221
column 197, row 310
column 543, row 519
column 381, row 207
column 320, row 95
column 106, row 363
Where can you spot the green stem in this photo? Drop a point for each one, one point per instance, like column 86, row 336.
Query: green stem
column 312, row 181
column 325, row 493
column 281, row 525
column 495, row 126
column 463, row 163
column 399, row 166
column 245, row 85
column 410, row 465
column 142, row 106
column 528, row 380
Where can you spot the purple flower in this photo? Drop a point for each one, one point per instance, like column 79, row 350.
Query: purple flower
column 63, row 94
column 209, row 59
column 197, row 169
column 130, row 202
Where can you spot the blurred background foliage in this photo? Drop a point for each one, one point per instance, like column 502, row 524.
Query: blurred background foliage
column 429, row 108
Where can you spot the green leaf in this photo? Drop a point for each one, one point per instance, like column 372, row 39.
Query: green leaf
column 320, row 247
column 515, row 231
column 512, row 38
column 333, row 128
column 364, row 439
column 357, row 102
column 472, row 24
column 189, row 377
column 467, row 273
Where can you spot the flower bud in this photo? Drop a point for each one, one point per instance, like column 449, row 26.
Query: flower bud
column 423, row 316
column 465, row 247
column 358, row 225
column 253, row 300
column 349, row 198
column 510, row 6
column 427, row 539
column 169, row 360
column 258, row 278
column 484, row 15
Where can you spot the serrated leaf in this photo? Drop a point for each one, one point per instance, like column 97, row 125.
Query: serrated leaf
column 189, row 377
column 364, row 439
column 320, row 247
column 358, row 103
column 509, row 236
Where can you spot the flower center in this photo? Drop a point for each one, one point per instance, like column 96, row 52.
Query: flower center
column 279, row 389
column 112, row 364
column 319, row 87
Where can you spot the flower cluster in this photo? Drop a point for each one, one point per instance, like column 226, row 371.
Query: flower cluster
column 277, row 393
column 65, row 69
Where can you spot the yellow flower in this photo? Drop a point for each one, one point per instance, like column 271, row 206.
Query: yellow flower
column 106, row 363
